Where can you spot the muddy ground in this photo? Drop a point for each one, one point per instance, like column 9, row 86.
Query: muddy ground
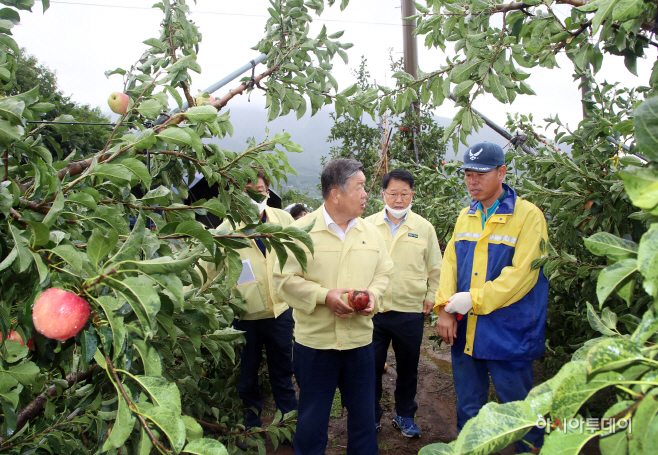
column 436, row 416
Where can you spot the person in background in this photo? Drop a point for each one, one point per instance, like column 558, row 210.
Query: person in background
column 268, row 321
column 333, row 342
column 298, row 211
column 487, row 276
column 412, row 243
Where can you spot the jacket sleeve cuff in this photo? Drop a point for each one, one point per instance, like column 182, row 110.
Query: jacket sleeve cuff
column 322, row 296
column 477, row 296
column 430, row 296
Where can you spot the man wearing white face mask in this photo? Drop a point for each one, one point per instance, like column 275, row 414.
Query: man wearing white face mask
column 268, row 321
column 413, row 245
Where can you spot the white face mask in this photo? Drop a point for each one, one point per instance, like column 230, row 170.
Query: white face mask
column 398, row 213
column 261, row 205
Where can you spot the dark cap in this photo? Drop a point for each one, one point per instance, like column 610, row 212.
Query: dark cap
column 483, row 157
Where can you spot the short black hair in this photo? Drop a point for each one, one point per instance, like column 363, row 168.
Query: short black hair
column 297, row 210
column 398, row 174
column 336, row 173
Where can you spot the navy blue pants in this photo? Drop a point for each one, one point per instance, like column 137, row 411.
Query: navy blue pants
column 511, row 379
column 405, row 331
column 276, row 335
column 318, row 372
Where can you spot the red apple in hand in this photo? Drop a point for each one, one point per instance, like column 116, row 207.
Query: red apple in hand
column 13, row 335
column 358, row 300
column 118, row 102
column 59, row 314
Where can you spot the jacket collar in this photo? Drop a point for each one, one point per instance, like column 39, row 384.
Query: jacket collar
column 506, row 207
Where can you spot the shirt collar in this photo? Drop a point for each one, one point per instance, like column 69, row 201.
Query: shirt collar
column 390, row 221
column 329, row 221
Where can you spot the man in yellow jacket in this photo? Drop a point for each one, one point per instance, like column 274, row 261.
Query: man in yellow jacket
column 333, row 342
column 487, row 276
column 412, row 243
column 268, row 321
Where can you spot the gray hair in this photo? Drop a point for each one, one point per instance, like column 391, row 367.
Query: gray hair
column 336, row 174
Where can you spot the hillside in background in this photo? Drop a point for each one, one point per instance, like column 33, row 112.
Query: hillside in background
column 311, row 133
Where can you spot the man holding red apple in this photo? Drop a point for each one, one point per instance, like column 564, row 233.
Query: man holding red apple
column 333, row 341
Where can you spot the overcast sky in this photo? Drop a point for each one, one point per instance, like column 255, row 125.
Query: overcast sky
column 82, row 39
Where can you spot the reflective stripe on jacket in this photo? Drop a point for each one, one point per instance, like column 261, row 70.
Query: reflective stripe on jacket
column 508, row 318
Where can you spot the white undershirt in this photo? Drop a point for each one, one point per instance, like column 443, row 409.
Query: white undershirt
column 330, row 223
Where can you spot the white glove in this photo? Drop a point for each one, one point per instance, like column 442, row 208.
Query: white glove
column 459, row 303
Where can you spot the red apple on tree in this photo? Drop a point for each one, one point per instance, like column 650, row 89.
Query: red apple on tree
column 13, row 335
column 59, row 314
column 118, row 102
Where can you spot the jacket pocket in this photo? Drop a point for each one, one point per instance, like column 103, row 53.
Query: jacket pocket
column 251, row 294
column 412, row 288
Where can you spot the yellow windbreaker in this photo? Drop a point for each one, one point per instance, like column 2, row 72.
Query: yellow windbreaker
column 362, row 261
column 417, row 257
column 262, row 300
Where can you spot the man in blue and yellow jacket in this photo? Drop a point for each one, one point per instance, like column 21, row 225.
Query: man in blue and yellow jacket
column 487, row 276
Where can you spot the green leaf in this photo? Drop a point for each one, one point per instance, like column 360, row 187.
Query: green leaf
column 197, row 230
column 110, row 305
column 113, row 172
column 84, row 199
column 139, row 169
column 642, row 419
column 462, row 72
column 646, row 328
column 577, row 387
column 628, row 9
column 70, row 254
column 122, row 427
column 646, row 128
column 496, row 426
column 215, row 207
column 150, row 358
column 612, row 354
column 9, row 41
column 647, row 260
column 438, row 448
column 233, row 267
column 25, row 373
column 193, row 430
column 463, row 88
column 89, row 344
column 163, row 393
column 145, row 140
column 611, row 246
column 205, row 447
column 613, row 276
column 100, row 245
column 175, row 136
column 201, row 114
column 10, row 133
column 170, row 424
column 12, row 109
column 55, row 210
column 40, row 232
column 596, row 322
column 641, row 184
column 143, row 299
column 165, row 264
column 567, row 442
column 150, row 108
column 497, row 90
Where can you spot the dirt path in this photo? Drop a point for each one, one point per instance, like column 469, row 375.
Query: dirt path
column 436, row 416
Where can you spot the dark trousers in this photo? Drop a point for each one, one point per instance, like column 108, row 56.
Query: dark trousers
column 512, row 380
column 318, row 372
column 276, row 335
column 405, row 331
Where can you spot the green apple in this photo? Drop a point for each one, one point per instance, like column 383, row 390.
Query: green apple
column 118, row 102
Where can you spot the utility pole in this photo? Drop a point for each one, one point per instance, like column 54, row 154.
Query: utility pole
column 410, row 57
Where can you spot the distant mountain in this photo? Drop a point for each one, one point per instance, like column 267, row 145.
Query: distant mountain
column 311, row 133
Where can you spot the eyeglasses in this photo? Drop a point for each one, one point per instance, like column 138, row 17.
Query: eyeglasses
column 404, row 194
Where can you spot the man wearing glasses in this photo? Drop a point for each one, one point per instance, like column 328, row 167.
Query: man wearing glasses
column 412, row 243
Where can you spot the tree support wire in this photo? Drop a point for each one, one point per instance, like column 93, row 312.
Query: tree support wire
column 217, row 85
